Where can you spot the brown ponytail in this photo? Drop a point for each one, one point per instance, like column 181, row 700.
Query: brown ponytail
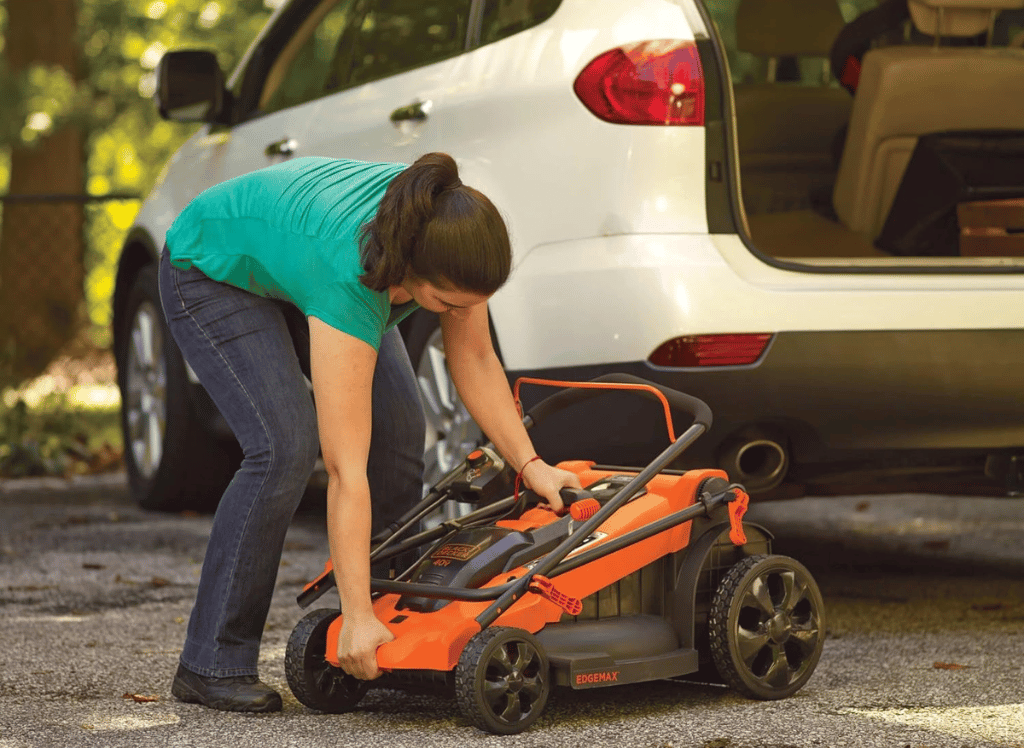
column 430, row 226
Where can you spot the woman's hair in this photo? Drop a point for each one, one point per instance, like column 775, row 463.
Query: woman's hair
column 430, row 226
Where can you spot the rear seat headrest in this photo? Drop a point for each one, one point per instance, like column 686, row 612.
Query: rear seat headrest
column 959, row 18
column 783, row 28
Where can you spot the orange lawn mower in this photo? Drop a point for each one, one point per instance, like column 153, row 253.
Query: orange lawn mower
column 650, row 574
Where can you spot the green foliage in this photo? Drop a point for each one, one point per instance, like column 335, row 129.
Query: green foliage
column 120, row 44
column 36, row 101
column 107, row 224
column 122, row 41
column 57, row 437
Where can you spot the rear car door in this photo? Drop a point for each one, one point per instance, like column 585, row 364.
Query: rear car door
column 391, row 71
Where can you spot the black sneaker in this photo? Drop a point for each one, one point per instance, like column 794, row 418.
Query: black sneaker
column 244, row 693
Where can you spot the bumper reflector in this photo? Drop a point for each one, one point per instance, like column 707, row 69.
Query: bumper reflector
column 734, row 349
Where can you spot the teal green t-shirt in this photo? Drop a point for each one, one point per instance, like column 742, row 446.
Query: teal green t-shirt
column 291, row 232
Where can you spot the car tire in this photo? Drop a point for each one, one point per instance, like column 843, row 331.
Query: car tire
column 172, row 462
column 451, row 432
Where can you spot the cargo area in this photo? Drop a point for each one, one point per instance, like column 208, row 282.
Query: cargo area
column 879, row 135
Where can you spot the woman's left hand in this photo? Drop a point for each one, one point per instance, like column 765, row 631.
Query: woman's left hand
column 546, row 481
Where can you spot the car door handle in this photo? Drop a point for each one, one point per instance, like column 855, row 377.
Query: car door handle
column 284, row 147
column 414, row 112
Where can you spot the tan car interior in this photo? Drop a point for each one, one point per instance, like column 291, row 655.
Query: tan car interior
column 786, row 132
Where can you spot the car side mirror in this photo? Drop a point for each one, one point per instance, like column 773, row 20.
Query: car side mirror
column 190, row 87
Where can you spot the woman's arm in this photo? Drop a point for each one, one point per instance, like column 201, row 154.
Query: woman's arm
column 342, row 371
column 480, row 379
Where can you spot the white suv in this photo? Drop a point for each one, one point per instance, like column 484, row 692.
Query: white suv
column 663, row 186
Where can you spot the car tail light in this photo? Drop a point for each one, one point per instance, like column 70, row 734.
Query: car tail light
column 711, row 350
column 645, row 83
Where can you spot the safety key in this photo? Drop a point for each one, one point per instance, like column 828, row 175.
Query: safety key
column 543, row 587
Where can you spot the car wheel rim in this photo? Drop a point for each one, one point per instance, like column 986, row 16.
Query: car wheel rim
column 778, row 628
column 451, row 432
column 513, row 681
column 146, row 391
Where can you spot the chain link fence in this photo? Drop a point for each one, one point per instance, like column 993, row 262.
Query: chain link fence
column 59, row 261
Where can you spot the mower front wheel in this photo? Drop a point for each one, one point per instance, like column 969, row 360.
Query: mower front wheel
column 314, row 681
column 502, row 681
column 767, row 626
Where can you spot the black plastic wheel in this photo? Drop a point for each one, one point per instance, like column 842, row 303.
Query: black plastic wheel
column 767, row 626
column 502, row 681
column 314, row 681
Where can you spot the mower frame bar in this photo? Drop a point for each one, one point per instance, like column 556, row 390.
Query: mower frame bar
column 504, row 595
column 707, row 503
column 551, row 564
column 570, row 395
column 548, row 562
column 576, row 392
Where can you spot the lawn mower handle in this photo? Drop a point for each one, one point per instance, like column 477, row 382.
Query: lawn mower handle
column 552, row 404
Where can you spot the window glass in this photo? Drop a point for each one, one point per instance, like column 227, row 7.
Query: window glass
column 398, row 35
column 305, row 67
column 503, row 18
column 748, row 68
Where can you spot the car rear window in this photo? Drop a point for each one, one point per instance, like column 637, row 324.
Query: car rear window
column 399, row 35
column 503, row 18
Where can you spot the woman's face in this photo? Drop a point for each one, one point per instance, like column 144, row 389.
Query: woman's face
column 443, row 300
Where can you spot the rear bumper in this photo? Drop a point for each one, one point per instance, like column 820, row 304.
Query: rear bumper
column 832, row 396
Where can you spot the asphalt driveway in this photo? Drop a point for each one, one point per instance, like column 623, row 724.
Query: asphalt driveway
column 924, row 597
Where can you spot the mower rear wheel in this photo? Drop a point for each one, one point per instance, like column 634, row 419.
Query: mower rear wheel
column 502, row 681
column 314, row 681
column 767, row 626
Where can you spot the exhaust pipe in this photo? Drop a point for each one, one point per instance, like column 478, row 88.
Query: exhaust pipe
column 757, row 459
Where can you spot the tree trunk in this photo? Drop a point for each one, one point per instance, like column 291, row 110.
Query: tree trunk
column 42, row 257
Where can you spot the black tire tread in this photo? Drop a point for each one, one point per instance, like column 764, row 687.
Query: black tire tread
column 466, row 693
column 718, row 626
column 465, row 676
column 310, row 633
column 718, row 622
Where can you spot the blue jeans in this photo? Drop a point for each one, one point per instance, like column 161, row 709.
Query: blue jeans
column 250, row 362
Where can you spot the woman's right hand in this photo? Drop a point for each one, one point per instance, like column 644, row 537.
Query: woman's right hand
column 357, row 645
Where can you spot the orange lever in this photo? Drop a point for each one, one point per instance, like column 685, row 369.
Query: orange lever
column 328, row 568
column 584, row 509
column 543, row 587
column 737, row 508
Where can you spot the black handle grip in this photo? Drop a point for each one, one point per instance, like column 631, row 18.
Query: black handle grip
column 696, row 407
column 569, row 496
